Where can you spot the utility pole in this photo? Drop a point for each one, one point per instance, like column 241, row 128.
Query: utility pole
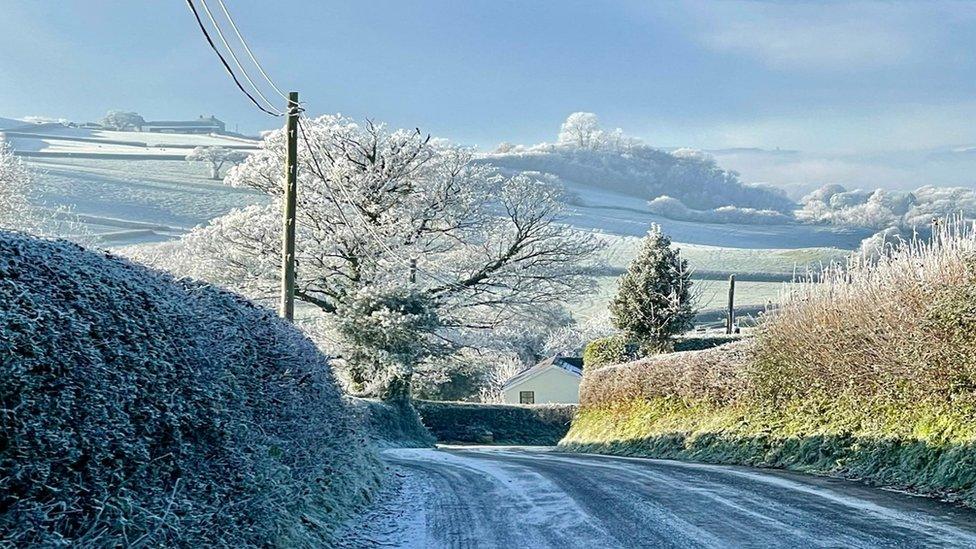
column 413, row 270
column 731, row 314
column 288, row 236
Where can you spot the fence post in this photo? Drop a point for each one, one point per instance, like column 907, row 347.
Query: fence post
column 730, row 318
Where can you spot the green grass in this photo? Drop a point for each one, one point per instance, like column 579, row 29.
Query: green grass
column 929, row 447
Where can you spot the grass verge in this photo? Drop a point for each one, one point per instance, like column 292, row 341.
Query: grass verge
column 868, row 372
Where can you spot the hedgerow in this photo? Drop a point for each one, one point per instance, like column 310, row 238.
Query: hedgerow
column 716, row 375
column 470, row 422
column 139, row 410
column 868, row 372
column 607, row 350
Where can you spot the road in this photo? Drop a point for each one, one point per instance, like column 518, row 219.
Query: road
column 485, row 497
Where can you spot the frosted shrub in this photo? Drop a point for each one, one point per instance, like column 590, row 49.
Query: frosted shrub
column 570, row 340
column 144, row 411
column 16, row 190
column 900, row 320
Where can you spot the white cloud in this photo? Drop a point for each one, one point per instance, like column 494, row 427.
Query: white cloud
column 821, row 37
column 882, row 127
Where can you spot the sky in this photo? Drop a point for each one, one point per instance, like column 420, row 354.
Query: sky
column 826, row 78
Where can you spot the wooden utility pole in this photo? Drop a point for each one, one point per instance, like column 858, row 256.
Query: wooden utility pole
column 288, row 235
column 731, row 314
column 413, row 270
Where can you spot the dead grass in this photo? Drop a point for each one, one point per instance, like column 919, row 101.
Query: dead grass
column 868, row 371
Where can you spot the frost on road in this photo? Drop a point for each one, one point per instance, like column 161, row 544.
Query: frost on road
column 520, row 497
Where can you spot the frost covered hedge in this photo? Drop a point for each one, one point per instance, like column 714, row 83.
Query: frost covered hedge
column 608, row 350
column 868, row 372
column 716, row 375
column 471, row 422
column 146, row 411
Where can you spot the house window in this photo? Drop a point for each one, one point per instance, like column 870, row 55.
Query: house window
column 526, row 397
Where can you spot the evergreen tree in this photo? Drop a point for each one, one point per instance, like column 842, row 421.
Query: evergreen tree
column 653, row 301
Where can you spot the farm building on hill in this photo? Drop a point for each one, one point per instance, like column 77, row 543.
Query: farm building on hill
column 204, row 124
column 555, row 380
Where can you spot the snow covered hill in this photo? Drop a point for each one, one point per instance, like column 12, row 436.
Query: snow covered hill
column 57, row 140
column 645, row 173
column 126, row 187
column 134, row 188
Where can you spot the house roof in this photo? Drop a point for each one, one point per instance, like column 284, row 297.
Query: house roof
column 572, row 365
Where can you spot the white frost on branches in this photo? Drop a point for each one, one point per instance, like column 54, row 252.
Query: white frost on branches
column 16, row 190
column 216, row 157
column 581, row 129
column 571, row 339
column 488, row 249
column 20, row 205
column 895, row 214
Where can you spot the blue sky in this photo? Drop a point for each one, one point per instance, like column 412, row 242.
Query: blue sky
column 825, row 77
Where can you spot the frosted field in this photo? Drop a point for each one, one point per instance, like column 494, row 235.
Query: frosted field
column 618, row 214
column 762, row 257
column 760, row 272
column 125, row 189
column 85, row 143
column 134, row 201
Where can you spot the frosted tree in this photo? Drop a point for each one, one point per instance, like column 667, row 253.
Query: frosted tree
column 653, row 301
column 488, row 249
column 581, row 129
column 571, row 339
column 21, row 208
column 216, row 157
column 16, row 191
column 123, row 120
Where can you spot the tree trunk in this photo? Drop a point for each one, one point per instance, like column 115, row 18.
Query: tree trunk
column 398, row 391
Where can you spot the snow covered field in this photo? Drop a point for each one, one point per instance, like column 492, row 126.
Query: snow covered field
column 134, row 188
column 126, row 202
column 60, row 141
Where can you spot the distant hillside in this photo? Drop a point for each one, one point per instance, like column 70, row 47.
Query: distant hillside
column 59, row 141
column 644, row 172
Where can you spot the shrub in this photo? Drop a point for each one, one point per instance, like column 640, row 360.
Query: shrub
column 468, row 422
column 607, row 350
column 702, row 342
column 869, row 371
column 393, row 424
column 716, row 375
column 894, row 326
column 143, row 410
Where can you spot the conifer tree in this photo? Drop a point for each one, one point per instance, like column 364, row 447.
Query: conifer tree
column 653, row 301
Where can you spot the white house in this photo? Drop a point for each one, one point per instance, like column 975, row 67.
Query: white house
column 555, row 380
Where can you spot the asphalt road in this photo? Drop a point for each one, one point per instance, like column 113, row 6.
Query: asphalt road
column 485, row 497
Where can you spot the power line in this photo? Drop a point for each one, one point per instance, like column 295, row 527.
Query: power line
column 347, row 194
column 348, row 199
column 248, row 50
column 227, row 66
column 366, row 225
column 237, row 61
